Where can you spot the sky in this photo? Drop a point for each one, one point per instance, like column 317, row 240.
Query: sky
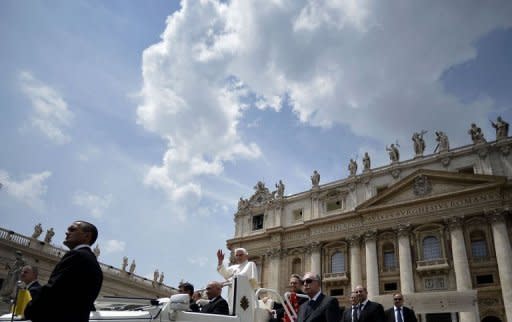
column 152, row 118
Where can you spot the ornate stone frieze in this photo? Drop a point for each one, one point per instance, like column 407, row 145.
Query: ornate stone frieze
column 313, row 247
column 403, row 229
column 298, row 235
column 454, row 223
column 495, row 216
column 354, row 241
column 273, row 252
column 421, row 186
column 445, row 161
column 505, row 150
column 482, row 151
column 395, row 173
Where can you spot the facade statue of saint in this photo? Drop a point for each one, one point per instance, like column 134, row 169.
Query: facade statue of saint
column 394, row 154
column 8, row 289
column 280, row 189
column 243, row 203
column 97, row 251
column 49, row 235
column 156, row 275
column 38, row 230
column 132, row 267
column 443, row 145
column 419, row 143
column 366, row 162
column 352, row 167
column 161, row 279
column 315, row 178
column 501, row 128
column 476, row 134
column 125, row 263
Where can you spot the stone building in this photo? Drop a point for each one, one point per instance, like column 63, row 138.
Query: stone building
column 437, row 228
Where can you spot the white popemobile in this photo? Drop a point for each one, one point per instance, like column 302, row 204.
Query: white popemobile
column 247, row 308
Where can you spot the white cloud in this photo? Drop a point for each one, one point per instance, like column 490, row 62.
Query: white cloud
column 28, row 191
column 372, row 66
column 114, row 246
column 94, row 204
column 50, row 114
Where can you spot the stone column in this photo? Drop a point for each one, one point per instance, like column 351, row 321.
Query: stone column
column 355, row 262
column 460, row 263
column 405, row 261
column 274, row 256
column 503, row 251
column 372, row 270
column 316, row 260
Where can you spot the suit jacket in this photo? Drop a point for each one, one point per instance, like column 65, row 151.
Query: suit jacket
column 34, row 289
column 347, row 314
column 408, row 314
column 71, row 290
column 372, row 312
column 324, row 309
column 217, row 306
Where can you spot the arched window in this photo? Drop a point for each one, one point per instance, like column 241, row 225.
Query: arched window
column 338, row 262
column 431, row 248
column 388, row 255
column 478, row 244
column 296, row 266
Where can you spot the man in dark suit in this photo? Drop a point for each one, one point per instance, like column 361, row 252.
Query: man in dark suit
column 28, row 276
column 320, row 307
column 216, row 305
column 399, row 312
column 74, row 283
column 369, row 311
column 351, row 314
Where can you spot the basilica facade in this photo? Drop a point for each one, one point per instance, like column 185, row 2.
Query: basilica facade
column 436, row 228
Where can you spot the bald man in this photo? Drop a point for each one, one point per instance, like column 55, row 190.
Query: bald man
column 216, row 304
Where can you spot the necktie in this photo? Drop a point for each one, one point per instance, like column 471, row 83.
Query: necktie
column 399, row 315
column 354, row 313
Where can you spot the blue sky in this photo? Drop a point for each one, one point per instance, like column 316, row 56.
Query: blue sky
column 152, row 118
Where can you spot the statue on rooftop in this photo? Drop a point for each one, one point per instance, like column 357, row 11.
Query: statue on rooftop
column 394, row 154
column 161, row 279
column 38, row 230
column 352, row 167
column 97, row 251
column 49, row 235
column 8, row 289
column 442, row 142
column 132, row 267
column 366, row 162
column 315, row 178
column 280, row 189
column 501, row 128
column 476, row 134
column 419, row 143
column 125, row 263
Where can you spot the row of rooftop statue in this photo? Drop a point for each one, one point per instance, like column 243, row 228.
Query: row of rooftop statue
column 38, row 230
column 443, row 145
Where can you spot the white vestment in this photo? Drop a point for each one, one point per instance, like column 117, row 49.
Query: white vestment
column 247, row 269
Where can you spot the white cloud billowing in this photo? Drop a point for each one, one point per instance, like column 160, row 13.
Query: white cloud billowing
column 29, row 191
column 370, row 65
column 50, row 115
column 114, row 246
column 94, row 204
column 200, row 261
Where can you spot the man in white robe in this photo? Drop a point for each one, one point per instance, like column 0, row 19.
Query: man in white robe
column 242, row 266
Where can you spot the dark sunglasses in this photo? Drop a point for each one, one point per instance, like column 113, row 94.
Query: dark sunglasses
column 308, row 281
column 398, row 299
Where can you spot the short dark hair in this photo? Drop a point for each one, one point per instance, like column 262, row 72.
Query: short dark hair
column 297, row 276
column 89, row 228
column 187, row 287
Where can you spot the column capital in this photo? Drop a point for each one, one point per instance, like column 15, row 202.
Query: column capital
column 313, row 247
column 496, row 216
column 274, row 252
column 455, row 222
column 370, row 235
column 403, row 230
column 354, row 241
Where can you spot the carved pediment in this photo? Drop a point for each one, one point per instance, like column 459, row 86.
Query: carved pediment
column 261, row 195
column 428, row 184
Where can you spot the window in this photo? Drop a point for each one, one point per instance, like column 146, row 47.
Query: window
column 333, row 205
column 393, row 286
column 338, row 262
column 484, row 279
column 297, row 266
column 388, row 254
column 336, row 292
column 468, row 170
column 478, row 244
column 431, row 248
column 257, row 222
